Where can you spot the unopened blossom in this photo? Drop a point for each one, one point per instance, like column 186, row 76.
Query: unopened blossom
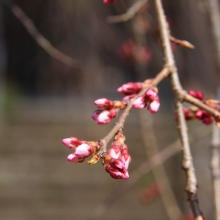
column 204, row 116
column 106, row 2
column 128, row 97
column 71, row 142
column 96, row 114
column 75, row 159
column 104, row 116
column 116, row 168
column 114, row 151
column 82, row 151
column 197, row 94
column 151, row 94
column 127, row 49
column 154, row 106
column 130, row 88
column 104, row 103
column 139, row 103
column 126, row 158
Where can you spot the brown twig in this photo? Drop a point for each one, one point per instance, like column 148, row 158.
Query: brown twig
column 191, row 185
column 129, row 14
column 39, row 38
column 182, row 43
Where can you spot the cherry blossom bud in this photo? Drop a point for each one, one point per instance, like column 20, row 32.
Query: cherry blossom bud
column 75, row 159
column 105, row 117
column 199, row 95
column 104, row 103
column 139, row 103
column 114, row 152
column 128, row 97
column 96, row 114
column 126, row 51
column 84, row 150
column 151, row 94
column 204, row 116
column 154, row 106
column 115, row 173
column 126, row 158
column 130, row 88
column 71, row 142
column 117, row 163
column 106, row 2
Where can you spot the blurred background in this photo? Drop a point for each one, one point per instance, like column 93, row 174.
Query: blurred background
column 43, row 100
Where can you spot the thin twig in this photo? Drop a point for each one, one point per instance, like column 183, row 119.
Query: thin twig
column 191, row 186
column 39, row 38
column 215, row 167
column 129, row 14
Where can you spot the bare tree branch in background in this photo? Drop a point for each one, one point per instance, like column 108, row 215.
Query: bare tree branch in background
column 39, row 38
column 215, row 167
column 159, row 173
column 129, row 14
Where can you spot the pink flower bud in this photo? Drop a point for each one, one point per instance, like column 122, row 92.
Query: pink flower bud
column 105, row 117
column 114, row 152
column 199, row 95
column 126, row 51
column 126, row 158
column 117, row 163
column 130, row 88
column 139, row 103
column 115, row 173
column 96, row 114
column 84, row 150
column 204, row 116
column 154, row 106
column 151, row 94
column 71, row 142
column 128, row 97
column 75, row 159
column 104, row 103
column 106, row 2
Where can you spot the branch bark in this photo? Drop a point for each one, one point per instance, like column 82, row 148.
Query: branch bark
column 191, row 185
column 39, row 38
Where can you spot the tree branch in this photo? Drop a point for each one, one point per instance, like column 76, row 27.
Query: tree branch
column 39, row 38
column 129, row 14
column 191, row 186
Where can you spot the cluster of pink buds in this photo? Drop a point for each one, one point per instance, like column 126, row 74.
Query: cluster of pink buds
column 83, row 149
column 106, row 2
column 192, row 113
column 150, row 99
column 131, row 53
column 108, row 110
column 117, row 160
